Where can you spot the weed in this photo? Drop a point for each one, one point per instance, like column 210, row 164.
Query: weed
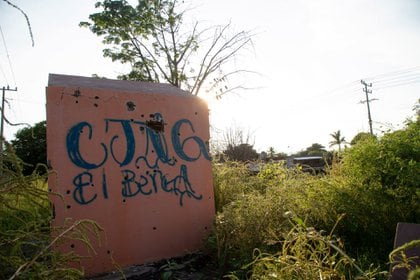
column 26, row 242
column 399, row 259
column 305, row 253
column 249, row 217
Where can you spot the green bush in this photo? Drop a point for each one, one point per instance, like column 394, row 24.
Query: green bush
column 389, row 164
column 244, row 225
column 305, row 253
column 374, row 186
column 252, row 210
column 381, row 188
column 231, row 181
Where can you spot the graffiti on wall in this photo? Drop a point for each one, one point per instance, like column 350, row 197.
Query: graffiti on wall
column 140, row 152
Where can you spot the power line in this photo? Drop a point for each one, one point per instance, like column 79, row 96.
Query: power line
column 347, row 88
column 399, row 72
column 4, row 74
column 8, row 57
column 399, row 83
column 398, row 77
column 340, row 88
column 382, row 81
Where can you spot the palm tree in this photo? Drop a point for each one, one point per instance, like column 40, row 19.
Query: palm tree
column 337, row 140
column 271, row 152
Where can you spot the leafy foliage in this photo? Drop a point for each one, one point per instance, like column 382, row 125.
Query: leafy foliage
column 360, row 137
column 390, row 165
column 254, row 217
column 382, row 188
column 30, row 146
column 231, row 181
column 372, row 188
column 153, row 39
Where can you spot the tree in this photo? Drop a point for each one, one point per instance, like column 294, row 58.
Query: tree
column 152, row 37
column 235, row 136
column 337, row 140
column 30, row 146
column 242, row 152
column 273, row 155
column 315, row 149
column 280, row 156
column 271, row 152
column 361, row 136
column 236, row 145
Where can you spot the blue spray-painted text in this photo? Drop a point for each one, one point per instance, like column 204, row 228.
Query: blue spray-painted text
column 140, row 150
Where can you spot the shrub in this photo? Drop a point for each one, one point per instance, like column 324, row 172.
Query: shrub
column 253, row 207
column 244, row 225
column 305, row 253
column 231, row 181
column 389, row 164
column 381, row 189
column 374, row 186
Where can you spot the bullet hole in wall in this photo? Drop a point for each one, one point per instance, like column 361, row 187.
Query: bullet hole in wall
column 157, row 126
column 131, row 106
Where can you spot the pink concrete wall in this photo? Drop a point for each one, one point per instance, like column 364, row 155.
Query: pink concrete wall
column 132, row 157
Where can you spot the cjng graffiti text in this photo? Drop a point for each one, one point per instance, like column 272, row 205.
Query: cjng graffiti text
column 141, row 152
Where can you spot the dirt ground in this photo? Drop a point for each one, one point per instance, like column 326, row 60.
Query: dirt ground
column 197, row 266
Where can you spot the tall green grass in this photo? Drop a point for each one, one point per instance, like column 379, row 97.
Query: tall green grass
column 253, row 238
column 305, row 253
column 26, row 243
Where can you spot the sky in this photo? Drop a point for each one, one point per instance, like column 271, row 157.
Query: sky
column 309, row 55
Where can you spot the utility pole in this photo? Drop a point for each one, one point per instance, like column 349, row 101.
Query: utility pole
column 4, row 89
column 366, row 90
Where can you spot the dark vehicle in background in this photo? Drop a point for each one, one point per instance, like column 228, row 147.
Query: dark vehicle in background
column 312, row 164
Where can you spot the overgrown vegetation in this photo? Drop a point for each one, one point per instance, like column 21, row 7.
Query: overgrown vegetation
column 26, row 238
column 359, row 201
column 278, row 224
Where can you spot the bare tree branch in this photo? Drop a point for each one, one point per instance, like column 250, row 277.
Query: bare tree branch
column 26, row 18
column 160, row 50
